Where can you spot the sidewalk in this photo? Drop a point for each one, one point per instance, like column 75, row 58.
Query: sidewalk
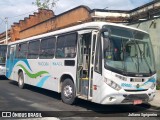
column 156, row 100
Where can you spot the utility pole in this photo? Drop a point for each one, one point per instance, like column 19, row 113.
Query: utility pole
column 6, row 21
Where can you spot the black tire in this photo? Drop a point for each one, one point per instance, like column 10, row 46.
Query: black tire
column 21, row 80
column 68, row 92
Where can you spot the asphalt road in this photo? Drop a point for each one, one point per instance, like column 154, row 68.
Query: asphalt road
column 12, row 98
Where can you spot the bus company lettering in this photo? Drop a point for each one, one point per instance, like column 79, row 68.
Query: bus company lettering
column 57, row 64
column 126, row 85
column 43, row 63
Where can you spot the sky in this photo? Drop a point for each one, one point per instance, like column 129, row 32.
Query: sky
column 17, row 10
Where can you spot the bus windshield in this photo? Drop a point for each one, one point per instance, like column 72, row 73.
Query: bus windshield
column 128, row 50
column 3, row 49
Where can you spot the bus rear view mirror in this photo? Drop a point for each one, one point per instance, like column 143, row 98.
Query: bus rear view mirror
column 106, row 32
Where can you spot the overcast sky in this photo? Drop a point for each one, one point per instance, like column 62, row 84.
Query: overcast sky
column 16, row 10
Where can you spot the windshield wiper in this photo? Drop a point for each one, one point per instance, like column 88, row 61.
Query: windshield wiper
column 142, row 55
column 136, row 55
column 146, row 62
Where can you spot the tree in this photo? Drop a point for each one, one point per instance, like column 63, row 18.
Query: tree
column 45, row 4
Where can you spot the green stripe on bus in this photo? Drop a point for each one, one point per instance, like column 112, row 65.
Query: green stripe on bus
column 30, row 74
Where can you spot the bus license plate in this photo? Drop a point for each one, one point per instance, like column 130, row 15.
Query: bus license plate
column 137, row 80
column 136, row 102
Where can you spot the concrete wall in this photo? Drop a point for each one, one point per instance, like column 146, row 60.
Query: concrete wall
column 153, row 28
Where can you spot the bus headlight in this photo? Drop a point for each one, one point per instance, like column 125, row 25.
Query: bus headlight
column 153, row 85
column 112, row 84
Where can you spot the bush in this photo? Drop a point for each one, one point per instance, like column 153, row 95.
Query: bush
column 158, row 85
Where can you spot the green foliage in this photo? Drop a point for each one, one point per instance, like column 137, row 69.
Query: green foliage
column 158, row 84
column 45, row 4
column 158, row 87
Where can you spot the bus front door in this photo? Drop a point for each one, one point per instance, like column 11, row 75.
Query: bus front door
column 85, row 70
column 11, row 61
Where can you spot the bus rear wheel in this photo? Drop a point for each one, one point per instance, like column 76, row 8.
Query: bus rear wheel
column 68, row 92
column 21, row 80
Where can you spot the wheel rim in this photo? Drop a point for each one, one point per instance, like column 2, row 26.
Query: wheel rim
column 20, row 81
column 68, row 91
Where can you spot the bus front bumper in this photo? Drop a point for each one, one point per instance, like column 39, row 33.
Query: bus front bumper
column 128, row 97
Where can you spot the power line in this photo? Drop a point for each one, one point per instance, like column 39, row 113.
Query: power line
column 2, row 19
column 29, row 12
column 22, row 14
column 9, row 18
column 1, row 23
column 6, row 23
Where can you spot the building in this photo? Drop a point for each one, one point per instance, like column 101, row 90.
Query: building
column 14, row 33
column 146, row 17
column 3, row 37
column 45, row 21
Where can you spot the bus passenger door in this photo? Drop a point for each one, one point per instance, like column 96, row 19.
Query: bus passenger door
column 95, row 75
column 84, row 46
column 10, row 60
column 86, row 60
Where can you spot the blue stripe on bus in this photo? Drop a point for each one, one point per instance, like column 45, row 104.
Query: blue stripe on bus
column 42, row 81
column 11, row 65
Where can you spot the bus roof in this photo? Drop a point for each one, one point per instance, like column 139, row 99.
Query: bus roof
column 3, row 44
column 90, row 25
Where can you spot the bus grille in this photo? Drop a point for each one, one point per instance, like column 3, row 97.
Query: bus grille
column 132, row 97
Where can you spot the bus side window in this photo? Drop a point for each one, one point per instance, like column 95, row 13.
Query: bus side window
column 66, row 46
column 3, row 49
column 22, row 50
column 60, row 47
column 47, row 48
column 33, row 49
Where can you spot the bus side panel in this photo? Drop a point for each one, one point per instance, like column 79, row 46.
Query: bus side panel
column 14, row 67
column 38, row 73
column 59, row 69
column 43, row 73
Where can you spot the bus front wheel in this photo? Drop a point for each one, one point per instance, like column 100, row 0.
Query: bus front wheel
column 21, row 80
column 68, row 92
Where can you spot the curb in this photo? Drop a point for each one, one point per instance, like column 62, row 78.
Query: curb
column 154, row 107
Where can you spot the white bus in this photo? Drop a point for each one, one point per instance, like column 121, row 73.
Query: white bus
column 105, row 63
column 3, row 50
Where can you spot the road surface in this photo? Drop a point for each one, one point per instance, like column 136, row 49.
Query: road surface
column 12, row 98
